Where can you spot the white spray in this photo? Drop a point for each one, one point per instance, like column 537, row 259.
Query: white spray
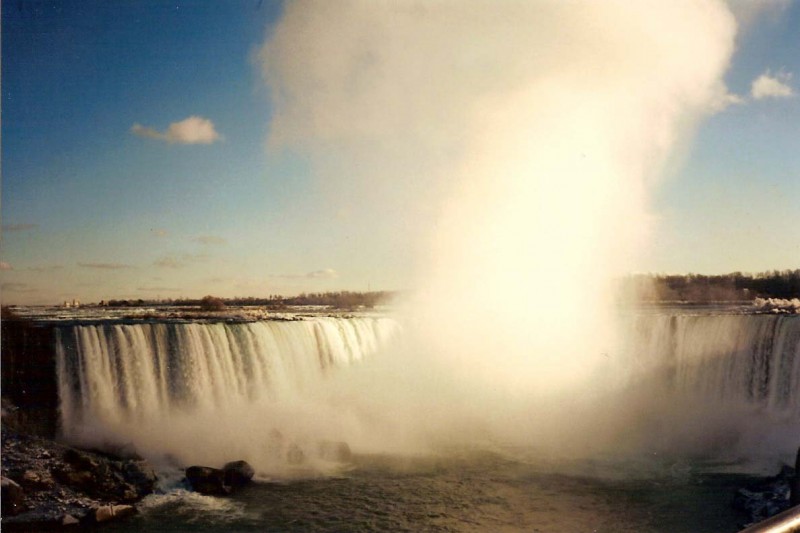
column 513, row 145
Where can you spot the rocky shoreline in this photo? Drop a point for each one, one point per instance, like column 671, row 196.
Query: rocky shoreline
column 47, row 485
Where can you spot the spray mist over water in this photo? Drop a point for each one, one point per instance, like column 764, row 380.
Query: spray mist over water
column 514, row 146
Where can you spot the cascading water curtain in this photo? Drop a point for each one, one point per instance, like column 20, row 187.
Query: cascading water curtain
column 115, row 375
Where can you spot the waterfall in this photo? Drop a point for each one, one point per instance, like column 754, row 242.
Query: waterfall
column 715, row 385
column 209, row 392
column 132, row 383
column 745, row 360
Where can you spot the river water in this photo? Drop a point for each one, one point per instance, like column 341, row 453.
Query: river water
column 465, row 491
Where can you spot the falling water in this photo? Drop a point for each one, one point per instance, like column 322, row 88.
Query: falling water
column 744, row 360
column 684, row 382
column 133, row 383
column 715, row 385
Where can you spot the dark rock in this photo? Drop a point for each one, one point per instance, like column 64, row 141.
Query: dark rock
column 12, row 496
column 794, row 498
column 207, row 480
column 119, row 451
column 141, row 475
column 33, row 481
column 29, row 377
column 335, row 451
column 80, row 460
column 238, row 473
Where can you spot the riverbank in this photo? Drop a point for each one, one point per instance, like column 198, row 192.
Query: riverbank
column 49, row 485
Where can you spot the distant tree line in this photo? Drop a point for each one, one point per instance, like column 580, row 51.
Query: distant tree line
column 708, row 288
column 337, row 300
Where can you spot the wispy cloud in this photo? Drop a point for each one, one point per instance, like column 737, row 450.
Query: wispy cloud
column 192, row 130
column 209, row 239
column 158, row 289
column 5, row 266
column 169, row 262
column 105, row 266
column 47, row 268
column 19, row 227
column 172, row 261
column 158, row 232
column 772, row 86
column 327, row 273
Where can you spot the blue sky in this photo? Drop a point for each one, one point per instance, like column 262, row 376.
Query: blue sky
column 92, row 210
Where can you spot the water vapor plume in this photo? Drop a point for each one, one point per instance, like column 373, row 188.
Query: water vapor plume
column 514, row 144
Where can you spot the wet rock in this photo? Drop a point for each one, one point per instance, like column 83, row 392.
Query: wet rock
column 238, row 473
column 207, row 480
column 113, row 512
column 766, row 498
column 12, row 496
column 141, row 475
column 80, row 460
column 338, row 451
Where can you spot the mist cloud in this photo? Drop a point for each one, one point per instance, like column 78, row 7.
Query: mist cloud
column 516, row 145
column 192, row 130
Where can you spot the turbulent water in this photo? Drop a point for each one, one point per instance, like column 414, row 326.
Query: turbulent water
column 211, row 392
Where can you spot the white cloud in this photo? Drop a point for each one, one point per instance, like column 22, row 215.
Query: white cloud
column 327, row 273
column 192, row 130
column 724, row 99
column 769, row 86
